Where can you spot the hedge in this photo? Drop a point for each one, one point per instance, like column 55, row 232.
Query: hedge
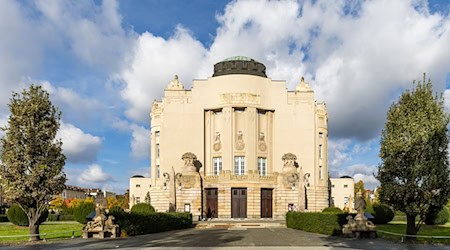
column 60, row 217
column 323, row 223
column 18, row 217
column 334, row 210
column 137, row 224
column 3, row 218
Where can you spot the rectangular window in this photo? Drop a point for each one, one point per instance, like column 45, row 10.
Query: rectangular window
column 320, row 151
column 262, row 166
column 138, row 185
column 320, row 135
column 156, row 133
column 217, row 165
column 345, row 186
column 320, row 173
column 239, row 165
column 157, row 151
column 157, row 171
column 138, row 200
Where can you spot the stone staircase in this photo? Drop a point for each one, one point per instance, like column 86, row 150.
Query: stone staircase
column 237, row 224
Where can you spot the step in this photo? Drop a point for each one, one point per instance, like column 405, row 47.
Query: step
column 218, row 224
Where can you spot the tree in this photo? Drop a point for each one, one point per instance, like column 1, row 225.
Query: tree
column 414, row 173
column 31, row 158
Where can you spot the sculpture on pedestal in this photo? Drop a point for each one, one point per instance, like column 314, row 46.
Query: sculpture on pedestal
column 101, row 226
column 360, row 224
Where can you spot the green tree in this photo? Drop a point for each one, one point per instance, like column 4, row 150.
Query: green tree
column 414, row 173
column 31, row 158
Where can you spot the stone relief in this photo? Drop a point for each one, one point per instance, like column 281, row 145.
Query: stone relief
column 239, row 98
column 217, row 144
column 156, row 108
column 189, row 159
column 262, row 143
column 289, row 163
column 175, row 84
column 239, row 145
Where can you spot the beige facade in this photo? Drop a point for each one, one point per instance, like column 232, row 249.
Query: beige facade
column 342, row 193
column 237, row 145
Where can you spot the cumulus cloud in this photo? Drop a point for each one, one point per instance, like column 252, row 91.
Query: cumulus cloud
column 140, row 143
column 78, row 146
column 94, row 174
column 338, row 154
column 356, row 56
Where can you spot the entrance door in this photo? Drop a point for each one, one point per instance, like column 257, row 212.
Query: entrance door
column 211, row 202
column 238, row 203
column 266, row 203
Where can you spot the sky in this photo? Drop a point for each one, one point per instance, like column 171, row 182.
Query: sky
column 104, row 62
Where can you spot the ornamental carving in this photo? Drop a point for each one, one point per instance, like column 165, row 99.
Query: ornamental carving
column 189, row 159
column 175, row 84
column 217, row 144
column 289, row 163
column 240, row 98
column 239, row 145
column 262, row 144
column 156, row 108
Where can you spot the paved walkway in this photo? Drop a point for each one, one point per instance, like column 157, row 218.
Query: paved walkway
column 261, row 238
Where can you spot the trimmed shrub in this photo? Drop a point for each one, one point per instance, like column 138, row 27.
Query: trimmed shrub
column 53, row 217
column 142, row 208
column 382, row 213
column 3, row 218
column 439, row 218
column 68, row 217
column 136, row 224
column 333, row 210
column 82, row 210
column 115, row 209
column 323, row 223
column 18, row 217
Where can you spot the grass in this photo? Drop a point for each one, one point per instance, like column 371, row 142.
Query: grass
column 55, row 230
column 425, row 230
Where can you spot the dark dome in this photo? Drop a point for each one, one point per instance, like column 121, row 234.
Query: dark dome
column 137, row 176
column 346, row 177
column 239, row 65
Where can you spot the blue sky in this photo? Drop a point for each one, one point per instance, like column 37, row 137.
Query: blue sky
column 104, row 62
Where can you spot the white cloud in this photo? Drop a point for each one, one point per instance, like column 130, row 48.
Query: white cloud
column 140, row 143
column 338, row 154
column 356, row 63
column 447, row 100
column 370, row 182
column 78, row 146
column 94, row 174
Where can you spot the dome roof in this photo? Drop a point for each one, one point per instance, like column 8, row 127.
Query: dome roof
column 239, row 65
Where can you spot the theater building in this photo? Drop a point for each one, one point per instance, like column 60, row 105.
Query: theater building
column 236, row 145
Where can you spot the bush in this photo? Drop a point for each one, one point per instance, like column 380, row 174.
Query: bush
column 115, row 209
column 439, row 218
column 53, row 217
column 82, row 210
column 68, row 217
column 382, row 213
column 323, row 223
column 18, row 217
column 333, row 210
column 136, row 224
column 3, row 218
column 142, row 208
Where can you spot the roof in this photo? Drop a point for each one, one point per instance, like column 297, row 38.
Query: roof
column 242, row 65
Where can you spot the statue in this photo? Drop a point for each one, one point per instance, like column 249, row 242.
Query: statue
column 189, row 159
column 101, row 225
column 175, row 84
column 239, row 145
column 217, row 144
column 360, row 206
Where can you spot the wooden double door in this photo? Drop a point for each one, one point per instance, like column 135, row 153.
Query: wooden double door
column 266, row 203
column 238, row 203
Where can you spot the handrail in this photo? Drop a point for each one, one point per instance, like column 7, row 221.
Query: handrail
column 415, row 236
column 42, row 234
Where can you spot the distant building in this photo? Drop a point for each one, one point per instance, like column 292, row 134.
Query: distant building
column 342, row 192
column 237, row 145
column 73, row 192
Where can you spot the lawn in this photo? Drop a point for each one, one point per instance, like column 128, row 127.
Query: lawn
column 55, row 230
column 426, row 230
